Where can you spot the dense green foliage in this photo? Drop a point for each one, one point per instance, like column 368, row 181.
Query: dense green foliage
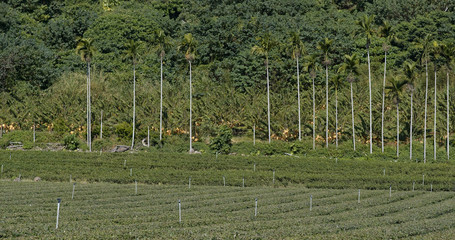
column 104, row 211
column 171, row 168
column 42, row 79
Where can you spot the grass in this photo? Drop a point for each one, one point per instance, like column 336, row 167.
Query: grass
column 114, row 211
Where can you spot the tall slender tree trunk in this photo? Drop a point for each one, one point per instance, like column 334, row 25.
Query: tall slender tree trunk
column 369, row 86
column 352, row 112
column 448, row 118
column 134, row 105
column 268, row 97
column 398, row 130
column 254, row 134
column 298, row 99
column 410, row 140
column 383, row 102
column 326, row 106
column 426, row 106
column 161, row 98
column 191, row 103
column 435, row 111
column 314, row 118
column 101, row 124
column 336, row 117
column 89, row 112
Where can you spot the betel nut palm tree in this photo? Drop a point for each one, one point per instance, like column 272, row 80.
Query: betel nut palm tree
column 386, row 31
column 350, row 67
column 425, row 45
column 163, row 43
column 297, row 49
column 325, row 46
column 312, row 67
column 410, row 73
column 366, row 29
column 85, row 49
column 188, row 47
column 132, row 52
column 396, row 89
column 265, row 44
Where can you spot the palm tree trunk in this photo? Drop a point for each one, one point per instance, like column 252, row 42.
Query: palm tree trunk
column 89, row 118
column 191, row 103
column 448, row 118
column 101, row 124
column 369, row 86
column 298, row 99
column 88, row 84
column 326, row 106
column 134, row 105
column 314, row 118
column 336, row 117
column 435, row 111
column 161, row 99
column 398, row 130
column 383, row 102
column 410, row 140
column 268, row 97
column 425, row 122
column 352, row 111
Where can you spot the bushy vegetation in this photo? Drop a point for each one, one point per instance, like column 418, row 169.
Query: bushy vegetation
column 104, row 210
column 159, row 167
column 43, row 79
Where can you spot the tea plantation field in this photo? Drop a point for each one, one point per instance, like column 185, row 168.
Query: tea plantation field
column 207, row 169
column 397, row 200
column 114, row 211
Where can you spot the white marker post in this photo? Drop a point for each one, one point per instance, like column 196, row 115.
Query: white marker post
column 34, row 133
column 148, row 136
column 72, row 195
column 180, row 212
column 254, row 168
column 70, row 178
column 224, row 181
column 58, row 211
column 423, row 179
column 384, row 172
column 273, row 181
column 336, row 160
column 390, row 191
column 311, row 202
column 189, row 183
column 101, row 126
column 358, row 199
column 413, row 185
column 135, row 187
column 131, row 172
column 431, row 187
column 243, row 183
column 256, row 208
column 124, row 163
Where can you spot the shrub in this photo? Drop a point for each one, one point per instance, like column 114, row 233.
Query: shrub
column 71, row 142
column 222, row 142
column 124, row 130
column 60, row 127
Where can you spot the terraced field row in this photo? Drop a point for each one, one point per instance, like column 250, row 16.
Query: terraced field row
column 106, row 210
column 205, row 169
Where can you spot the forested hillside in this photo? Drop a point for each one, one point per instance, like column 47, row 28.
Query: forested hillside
column 43, row 78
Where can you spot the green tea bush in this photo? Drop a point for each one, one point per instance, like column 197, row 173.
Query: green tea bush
column 71, row 142
column 124, row 130
column 104, row 144
column 223, row 141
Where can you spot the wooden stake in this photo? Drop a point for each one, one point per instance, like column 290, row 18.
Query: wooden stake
column 180, row 212
column 224, row 181
column 358, row 200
